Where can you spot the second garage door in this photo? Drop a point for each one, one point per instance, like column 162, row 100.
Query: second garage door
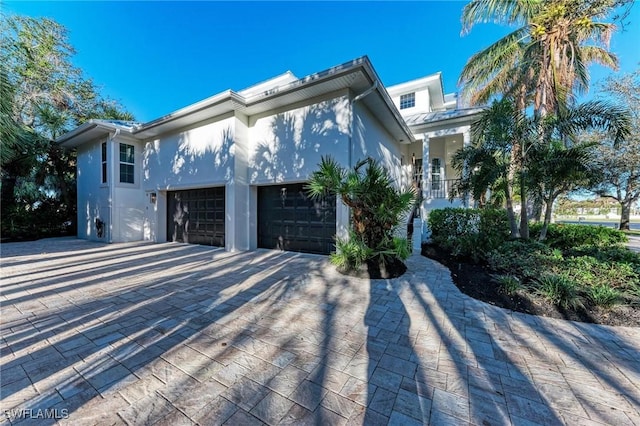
column 289, row 220
column 196, row 216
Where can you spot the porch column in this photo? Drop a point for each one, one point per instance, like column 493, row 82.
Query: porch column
column 466, row 137
column 466, row 141
column 424, row 186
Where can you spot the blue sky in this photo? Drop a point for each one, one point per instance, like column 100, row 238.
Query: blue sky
column 156, row 57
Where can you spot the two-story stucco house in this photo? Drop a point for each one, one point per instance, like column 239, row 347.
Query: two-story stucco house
column 230, row 170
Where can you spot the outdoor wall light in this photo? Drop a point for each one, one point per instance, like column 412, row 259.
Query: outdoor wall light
column 152, row 197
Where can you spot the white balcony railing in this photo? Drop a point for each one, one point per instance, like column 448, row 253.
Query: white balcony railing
column 441, row 188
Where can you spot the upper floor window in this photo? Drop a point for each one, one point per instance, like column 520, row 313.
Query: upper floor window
column 127, row 162
column 408, row 100
column 104, row 162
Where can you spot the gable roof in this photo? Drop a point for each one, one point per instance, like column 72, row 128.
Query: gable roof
column 357, row 75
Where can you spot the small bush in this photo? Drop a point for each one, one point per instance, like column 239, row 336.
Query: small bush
column 567, row 236
column 604, row 296
column 469, row 233
column 350, row 253
column 559, row 290
column 509, row 284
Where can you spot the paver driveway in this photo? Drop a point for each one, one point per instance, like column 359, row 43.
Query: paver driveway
column 181, row 334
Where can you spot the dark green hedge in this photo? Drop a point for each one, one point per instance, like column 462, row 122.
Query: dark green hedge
column 469, row 233
column 565, row 236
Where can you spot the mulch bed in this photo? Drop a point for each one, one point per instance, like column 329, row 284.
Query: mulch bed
column 475, row 281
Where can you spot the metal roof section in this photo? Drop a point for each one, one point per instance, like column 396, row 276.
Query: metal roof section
column 429, row 120
column 269, row 84
column 129, row 125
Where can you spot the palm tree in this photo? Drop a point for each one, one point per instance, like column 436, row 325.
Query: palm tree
column 550, row 161
column 376, row 210
column 545, row 59
column 490, row 158
column 556, row 170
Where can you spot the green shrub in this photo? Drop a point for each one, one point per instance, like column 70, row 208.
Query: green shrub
column 604, row 295
column 559, row 290
column 508, row 283
column 350, row 253
column 565, row 236
column 401, row 248
column 526, row 260
column 468, row 233
column 609, row 254
column 590, row 271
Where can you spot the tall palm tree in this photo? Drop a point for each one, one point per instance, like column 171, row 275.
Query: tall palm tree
column 544, row 60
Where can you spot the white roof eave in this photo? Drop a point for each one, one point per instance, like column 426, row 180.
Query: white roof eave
column 91, row 130
column 230, row 101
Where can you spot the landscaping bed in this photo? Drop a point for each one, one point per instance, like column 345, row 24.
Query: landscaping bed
column 580, row 272
column 476, row 281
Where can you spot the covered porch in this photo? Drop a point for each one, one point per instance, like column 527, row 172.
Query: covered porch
column 439, row 135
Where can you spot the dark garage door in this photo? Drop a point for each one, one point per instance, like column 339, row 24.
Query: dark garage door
column 289, row 220
column 196, row 216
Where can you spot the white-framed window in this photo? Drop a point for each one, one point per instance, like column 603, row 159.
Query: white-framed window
column 436, row 174
column 408, row 100
column 103, row 157
column 127, row 163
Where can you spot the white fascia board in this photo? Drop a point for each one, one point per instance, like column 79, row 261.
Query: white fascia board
column 91, row 130
column 218, row 99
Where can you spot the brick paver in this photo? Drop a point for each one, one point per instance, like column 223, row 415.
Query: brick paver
column 179, row 334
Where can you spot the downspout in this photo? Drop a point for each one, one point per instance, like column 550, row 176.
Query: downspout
column 112, row 189
column 373, row 87
column 351, row 103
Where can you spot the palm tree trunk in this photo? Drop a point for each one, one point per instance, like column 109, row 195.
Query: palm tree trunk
column 547, row 220
column 524, row 217
column 515, row 233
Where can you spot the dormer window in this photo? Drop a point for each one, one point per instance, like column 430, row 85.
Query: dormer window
column 408, row 100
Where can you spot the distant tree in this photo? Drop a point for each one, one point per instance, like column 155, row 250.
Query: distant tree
column 43, row 96
column 618, row 163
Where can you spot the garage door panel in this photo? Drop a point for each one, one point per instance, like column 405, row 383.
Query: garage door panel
column 289, row 220
column 196, row 216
